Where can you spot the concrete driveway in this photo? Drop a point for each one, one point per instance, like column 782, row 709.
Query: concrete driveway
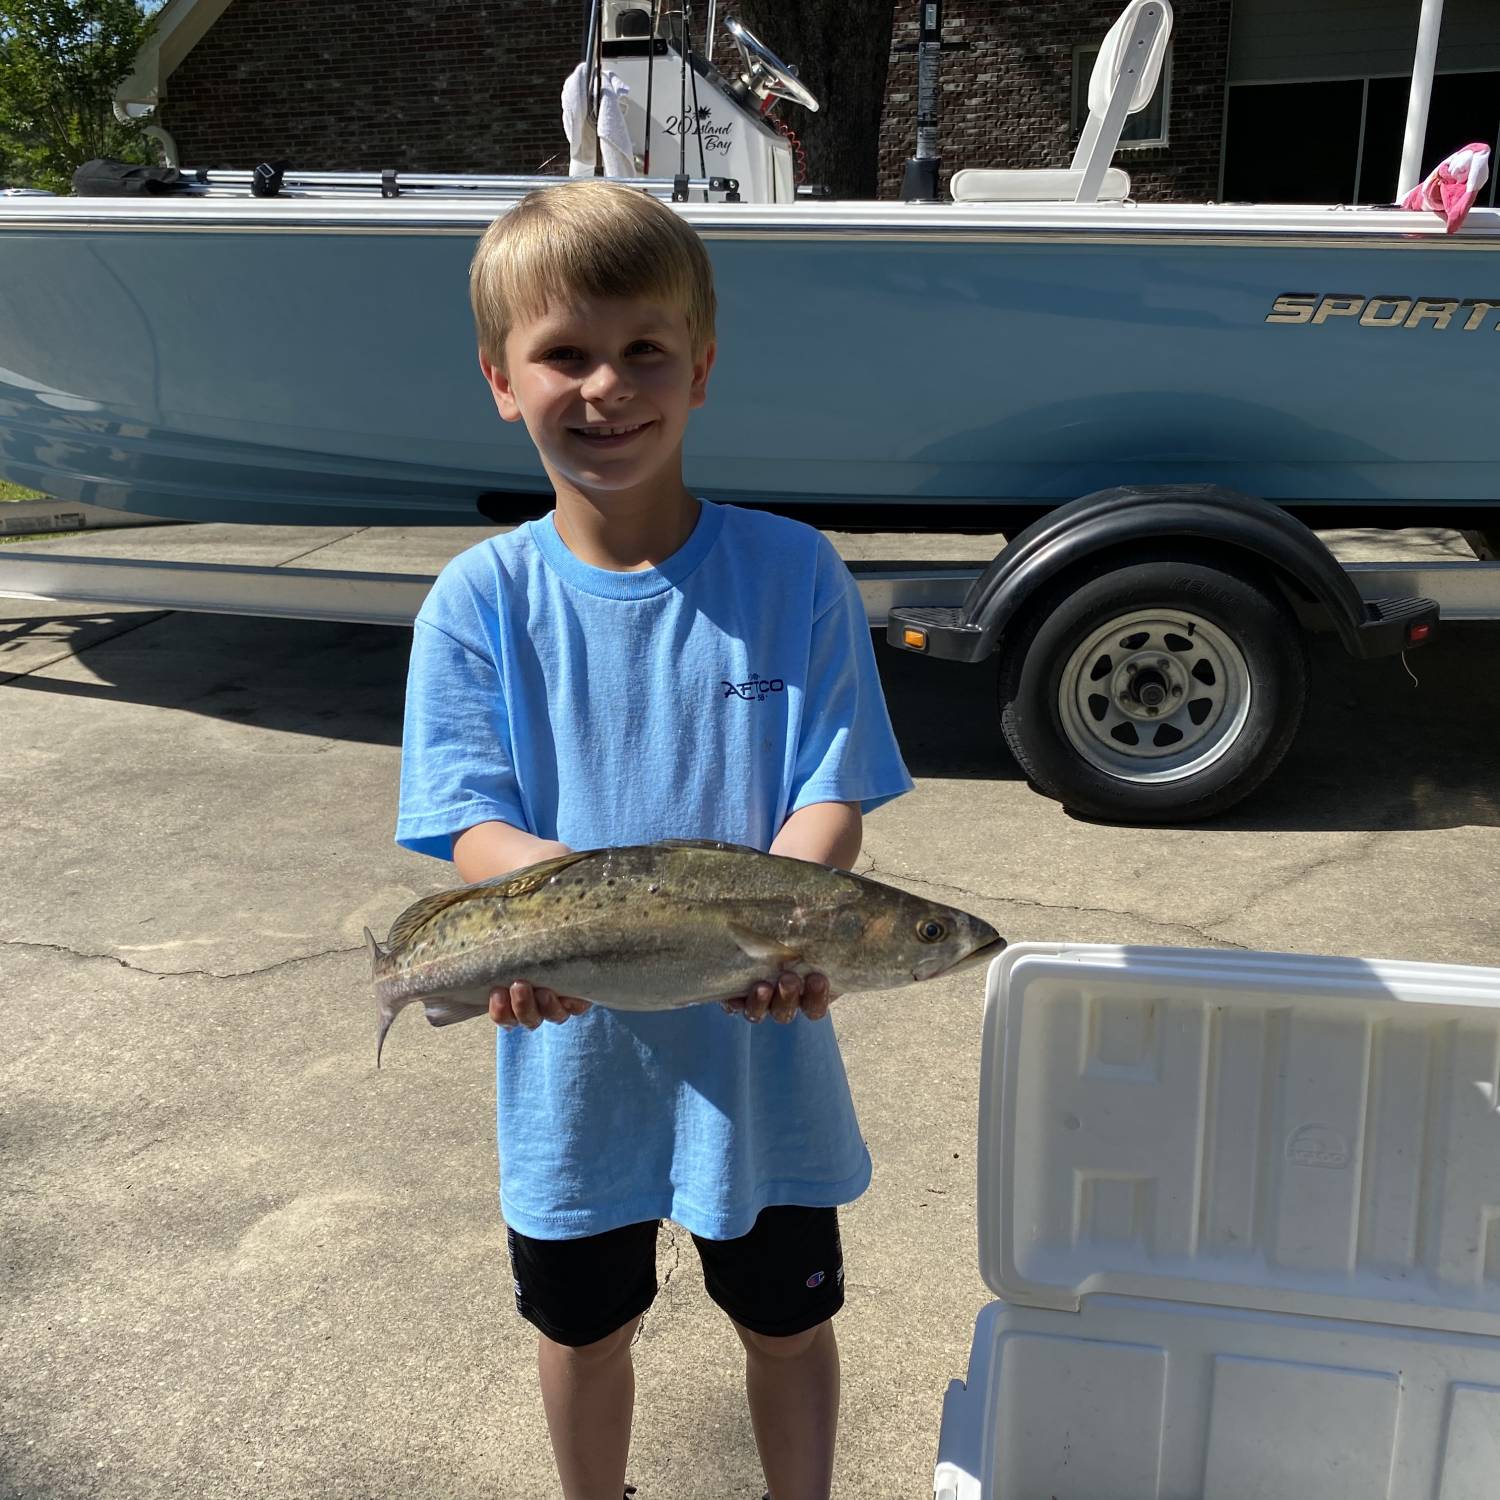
column 236, row 1261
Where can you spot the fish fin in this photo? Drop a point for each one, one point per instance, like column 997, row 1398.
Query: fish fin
column 444, row 1012
column 376, row 951
column 519, row 882
column 707, row 844
column 763, row 949
column 516, row 883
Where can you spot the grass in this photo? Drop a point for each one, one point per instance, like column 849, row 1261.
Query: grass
column 15, row 492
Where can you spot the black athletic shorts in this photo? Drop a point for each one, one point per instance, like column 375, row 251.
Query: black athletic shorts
column 783, row 1277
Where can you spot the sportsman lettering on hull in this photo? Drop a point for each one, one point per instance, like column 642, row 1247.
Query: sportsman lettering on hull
column 1385, row 312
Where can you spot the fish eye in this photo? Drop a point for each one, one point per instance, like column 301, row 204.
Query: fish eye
column 931, row 930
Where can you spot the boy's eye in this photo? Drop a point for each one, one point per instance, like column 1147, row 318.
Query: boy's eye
column 644, row 346
column 562, row 354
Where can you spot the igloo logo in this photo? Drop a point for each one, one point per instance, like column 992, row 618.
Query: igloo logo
column 1317, row 1146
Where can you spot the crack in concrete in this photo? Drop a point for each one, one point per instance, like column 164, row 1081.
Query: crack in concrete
column 1367, row 844
column 1203, row 934
column 332, row 541
column 676, row 1243
column 114, row 958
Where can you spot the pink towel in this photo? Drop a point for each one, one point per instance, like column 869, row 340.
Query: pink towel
column 1453, row 185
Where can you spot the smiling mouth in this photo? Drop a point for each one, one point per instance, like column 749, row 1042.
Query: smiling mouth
column 609, row 434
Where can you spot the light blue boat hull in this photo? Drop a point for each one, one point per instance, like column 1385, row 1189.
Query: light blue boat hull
column 295, row 374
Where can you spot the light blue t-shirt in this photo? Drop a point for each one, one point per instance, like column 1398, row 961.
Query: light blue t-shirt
column 710, row 697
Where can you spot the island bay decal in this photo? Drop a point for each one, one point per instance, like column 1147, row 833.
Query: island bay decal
column 715, row 138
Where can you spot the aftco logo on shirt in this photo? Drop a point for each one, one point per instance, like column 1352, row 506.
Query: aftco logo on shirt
column 755, row 690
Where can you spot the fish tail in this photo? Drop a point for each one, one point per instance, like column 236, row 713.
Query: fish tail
column 376, row 951
column 441, row 1010
column 386, row 1011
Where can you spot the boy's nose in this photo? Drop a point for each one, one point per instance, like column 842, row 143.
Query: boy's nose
column 605, row 382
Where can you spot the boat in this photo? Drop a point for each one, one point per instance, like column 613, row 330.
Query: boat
column 264, row 347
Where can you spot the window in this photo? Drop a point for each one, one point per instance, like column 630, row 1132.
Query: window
column 1339, row 140
column 1147, row 127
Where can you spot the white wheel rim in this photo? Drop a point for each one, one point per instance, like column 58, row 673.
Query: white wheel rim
column 1155, row 695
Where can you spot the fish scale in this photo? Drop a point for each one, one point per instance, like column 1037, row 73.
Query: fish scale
column 661, row 926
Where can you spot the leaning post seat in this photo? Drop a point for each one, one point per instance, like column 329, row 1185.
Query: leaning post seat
column 984, row 185
column 1123, row 82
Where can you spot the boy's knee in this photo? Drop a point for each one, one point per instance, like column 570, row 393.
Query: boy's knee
column 789, row 1346
column 601, row 1350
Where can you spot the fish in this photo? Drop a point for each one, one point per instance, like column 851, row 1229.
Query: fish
column 649, row 927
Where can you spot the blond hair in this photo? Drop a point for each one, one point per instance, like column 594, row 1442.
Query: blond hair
column 587, row 239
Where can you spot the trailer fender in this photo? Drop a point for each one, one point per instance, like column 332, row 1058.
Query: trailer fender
column 1136, row 518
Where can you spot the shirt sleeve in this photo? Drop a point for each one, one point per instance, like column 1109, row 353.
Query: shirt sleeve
column 456, row 766
column 846, row 749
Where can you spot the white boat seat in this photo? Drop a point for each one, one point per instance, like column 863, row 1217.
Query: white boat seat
column 984, row 185
column 1124, row 80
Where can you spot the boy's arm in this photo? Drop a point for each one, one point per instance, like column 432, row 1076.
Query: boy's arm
column 824, row 833
column 495, row 848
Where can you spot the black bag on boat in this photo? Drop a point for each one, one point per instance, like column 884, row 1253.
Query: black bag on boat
column 104, row 177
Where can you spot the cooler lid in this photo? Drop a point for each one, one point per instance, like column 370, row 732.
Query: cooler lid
column 1266, row 1131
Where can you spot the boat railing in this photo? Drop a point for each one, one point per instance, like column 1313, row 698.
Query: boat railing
column 219, row 182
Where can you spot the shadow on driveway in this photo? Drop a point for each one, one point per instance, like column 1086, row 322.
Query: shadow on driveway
column 1376, row 751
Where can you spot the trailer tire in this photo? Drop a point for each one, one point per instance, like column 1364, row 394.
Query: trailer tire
column 1159, row 691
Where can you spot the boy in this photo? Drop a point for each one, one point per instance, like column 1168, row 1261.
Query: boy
column 580, row 683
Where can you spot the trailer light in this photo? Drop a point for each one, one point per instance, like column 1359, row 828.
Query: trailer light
column 1418, row 633
column 915, row 640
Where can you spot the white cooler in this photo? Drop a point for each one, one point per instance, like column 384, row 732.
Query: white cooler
column 1242, row 1212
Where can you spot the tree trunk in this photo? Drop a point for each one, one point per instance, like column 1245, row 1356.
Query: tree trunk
column 840, row 49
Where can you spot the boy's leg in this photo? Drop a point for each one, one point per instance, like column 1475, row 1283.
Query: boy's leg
column 781, row 1284
column 793, row 1389
column 588, row 1394
column 585, row 1297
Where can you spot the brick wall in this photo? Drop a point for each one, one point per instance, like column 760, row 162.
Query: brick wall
column 433, row 85
column 472, row 85
column 1007, row 98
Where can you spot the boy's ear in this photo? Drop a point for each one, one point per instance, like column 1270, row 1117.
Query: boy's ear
column 500, row 388
column 698, row 392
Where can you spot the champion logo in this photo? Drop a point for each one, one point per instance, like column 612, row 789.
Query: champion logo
column 816, row 1279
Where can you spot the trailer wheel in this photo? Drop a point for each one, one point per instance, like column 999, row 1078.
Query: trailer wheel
column 1159, row 691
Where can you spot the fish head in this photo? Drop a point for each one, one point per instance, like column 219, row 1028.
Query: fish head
column 886, row 938
column 950, row 940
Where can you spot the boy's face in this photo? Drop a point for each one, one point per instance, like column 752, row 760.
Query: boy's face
column 604, row 388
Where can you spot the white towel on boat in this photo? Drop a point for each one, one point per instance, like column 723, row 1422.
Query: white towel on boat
column 613, row 134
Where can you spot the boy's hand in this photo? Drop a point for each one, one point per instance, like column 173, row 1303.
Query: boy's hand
column 526, row 1005
column 783, row 997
